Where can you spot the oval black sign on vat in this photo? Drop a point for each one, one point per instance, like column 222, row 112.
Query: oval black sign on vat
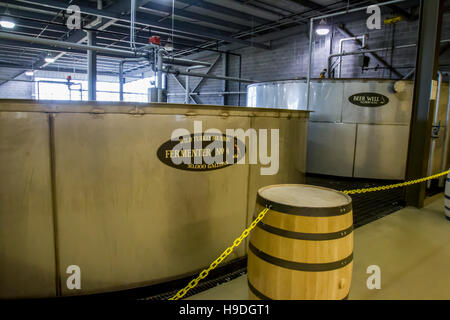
column 368, row 99
column 181, row 153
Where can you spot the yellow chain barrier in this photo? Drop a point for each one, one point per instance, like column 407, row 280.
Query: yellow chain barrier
column 180, row 294
column 226, row 253
column 398, row 185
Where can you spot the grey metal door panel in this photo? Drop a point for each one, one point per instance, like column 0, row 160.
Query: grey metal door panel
column 331, row 148
column 381, row 151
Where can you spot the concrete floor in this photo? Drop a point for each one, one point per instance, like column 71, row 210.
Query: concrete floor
column 411, row 247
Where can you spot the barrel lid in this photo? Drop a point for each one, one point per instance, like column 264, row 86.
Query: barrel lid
column 304, row 200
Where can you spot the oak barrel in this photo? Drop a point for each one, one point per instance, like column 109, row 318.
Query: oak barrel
column 303, row 248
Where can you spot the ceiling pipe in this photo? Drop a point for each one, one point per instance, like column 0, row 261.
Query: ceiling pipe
column 209, row 76
column 153, row 23
column 117, row 52
column 68, row 45
column 185, row 62
column 331, row 56
column 341, row 48
column 347, row 33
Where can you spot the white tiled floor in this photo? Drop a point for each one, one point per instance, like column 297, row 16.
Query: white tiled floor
column 411, row 246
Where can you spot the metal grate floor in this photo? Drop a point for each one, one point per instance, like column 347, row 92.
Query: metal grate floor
column 367, row 207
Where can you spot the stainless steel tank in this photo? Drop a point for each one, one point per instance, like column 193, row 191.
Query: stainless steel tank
column 358, row 128
column 289, row 94
column 82, row 185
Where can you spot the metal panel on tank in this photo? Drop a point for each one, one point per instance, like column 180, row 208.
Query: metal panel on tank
column 331, row 148
column 326, row 100
column 289, row 94
column 397, row 110
column 292, row 160
column 381, row 151
column 27, row 260
column 128, row 219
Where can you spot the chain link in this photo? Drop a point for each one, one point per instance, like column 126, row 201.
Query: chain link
column 180, row 294
column 398, row 185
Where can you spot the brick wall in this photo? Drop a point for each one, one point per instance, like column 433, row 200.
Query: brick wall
column 15, row 89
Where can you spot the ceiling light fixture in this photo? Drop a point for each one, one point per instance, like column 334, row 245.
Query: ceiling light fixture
column 7, row 22
column 49, row 59
column 323, row 28
column 169, row 45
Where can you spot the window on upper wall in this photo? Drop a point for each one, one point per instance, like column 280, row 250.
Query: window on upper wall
column 58, row 89
column 137, row 90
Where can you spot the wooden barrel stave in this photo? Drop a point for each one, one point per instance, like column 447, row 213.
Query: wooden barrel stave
column 306, row 224
column 302, row 250
column 278, row 283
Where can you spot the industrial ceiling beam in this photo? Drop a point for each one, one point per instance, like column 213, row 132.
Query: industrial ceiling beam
column 122, row 27
column 309, row 4
column 193, row 15
column 268, row 7
column 46, row 48
column 29, row 10
column 295, row 19
column 35, row 19
column 90, row 47
column 253, row 11
column 151, row 21
column 125, row 43
column 224, row 10
column 66, row 45
column 31, row 31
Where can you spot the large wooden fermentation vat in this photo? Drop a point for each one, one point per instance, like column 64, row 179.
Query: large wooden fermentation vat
column 82, row 185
